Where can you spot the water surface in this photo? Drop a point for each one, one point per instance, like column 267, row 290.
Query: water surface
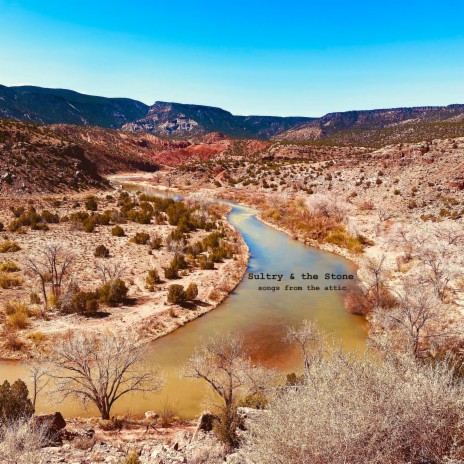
column 259, row 316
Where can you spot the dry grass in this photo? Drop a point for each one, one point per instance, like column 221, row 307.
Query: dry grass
column 364, row 412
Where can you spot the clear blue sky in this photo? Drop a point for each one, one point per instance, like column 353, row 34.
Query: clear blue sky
column 249, row 57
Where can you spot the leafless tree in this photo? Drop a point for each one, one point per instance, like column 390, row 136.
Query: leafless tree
column 374, row 270
column 38, row 374
column 384, row 212
column 327, row 205
column 101, row 368
column 452, row 234
column 222, row 362
column 309, row 340
column 52, row 266
column 439, row 273
column 110, row 270
column 414, row 316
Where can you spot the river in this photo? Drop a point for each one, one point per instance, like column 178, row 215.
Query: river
column 260, row 316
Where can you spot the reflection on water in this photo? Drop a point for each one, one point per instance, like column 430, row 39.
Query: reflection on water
column 259, row 316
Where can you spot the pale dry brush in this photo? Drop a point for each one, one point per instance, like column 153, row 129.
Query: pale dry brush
column 362, row 411
column 327, row 205
column 21, row 442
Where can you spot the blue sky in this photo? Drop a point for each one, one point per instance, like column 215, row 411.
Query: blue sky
column 249, row 57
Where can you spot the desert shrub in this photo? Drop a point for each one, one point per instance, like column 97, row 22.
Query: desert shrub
column 13, row 307
column 117, row 231
column 113, row 293
column 205, row 263
column 192, row 292
column 34, row 298
column 37, row 337
column 140, row 238
column 14, row 401
column 179, row 261
column 2, row 227
column 409, row 413
column 50, row 218
column 176, row 294
column 133, row 458
column 9, row 266
column 22, row 442
column 101, row 252
column 9, row 247
column 156, row 242
column 171, row 272
column 152, row 279
column 103, row 219
column 8, row 280
column 339, row 236
column 17, row 212
column 89, row 224
column 91, row 203
column 168, row 413
column 84, row 303
column 18, row 320
column 357, row 303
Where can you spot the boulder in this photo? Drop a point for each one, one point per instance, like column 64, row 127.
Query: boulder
column 53, row 422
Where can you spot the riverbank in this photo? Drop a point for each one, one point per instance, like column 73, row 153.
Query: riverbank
column 146, row 310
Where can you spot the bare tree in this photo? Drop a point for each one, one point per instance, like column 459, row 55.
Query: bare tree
column 439, row 273
column 374, row 270
column 52, row 266
column 38, row 374
column 384, row 213
column 222, row 362
column 101, row 368
column 309, row 340
column 110, row 270
column 453, row 234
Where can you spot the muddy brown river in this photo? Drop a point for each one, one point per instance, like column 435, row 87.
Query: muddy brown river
column 260, row 316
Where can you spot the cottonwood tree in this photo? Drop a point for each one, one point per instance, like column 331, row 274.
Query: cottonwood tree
column 52, row 266
column 309, row 340
column 223, row 363
column 99, row 369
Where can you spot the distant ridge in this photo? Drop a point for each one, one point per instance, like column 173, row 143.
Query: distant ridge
column 182, row 121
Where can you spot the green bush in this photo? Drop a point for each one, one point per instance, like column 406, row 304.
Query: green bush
column 9, row 266
column 113, row 293
column 152, row 279
column 133, row 458
column 14, row 401
column 50, row 218
column 117, row 231
column 171, row 272
column 9, row 247
column 140, row 238
column 176, row 294
column 91, row 203
column 84, row 303
column 89, row 224
column 102, row 252
column 192, row 292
